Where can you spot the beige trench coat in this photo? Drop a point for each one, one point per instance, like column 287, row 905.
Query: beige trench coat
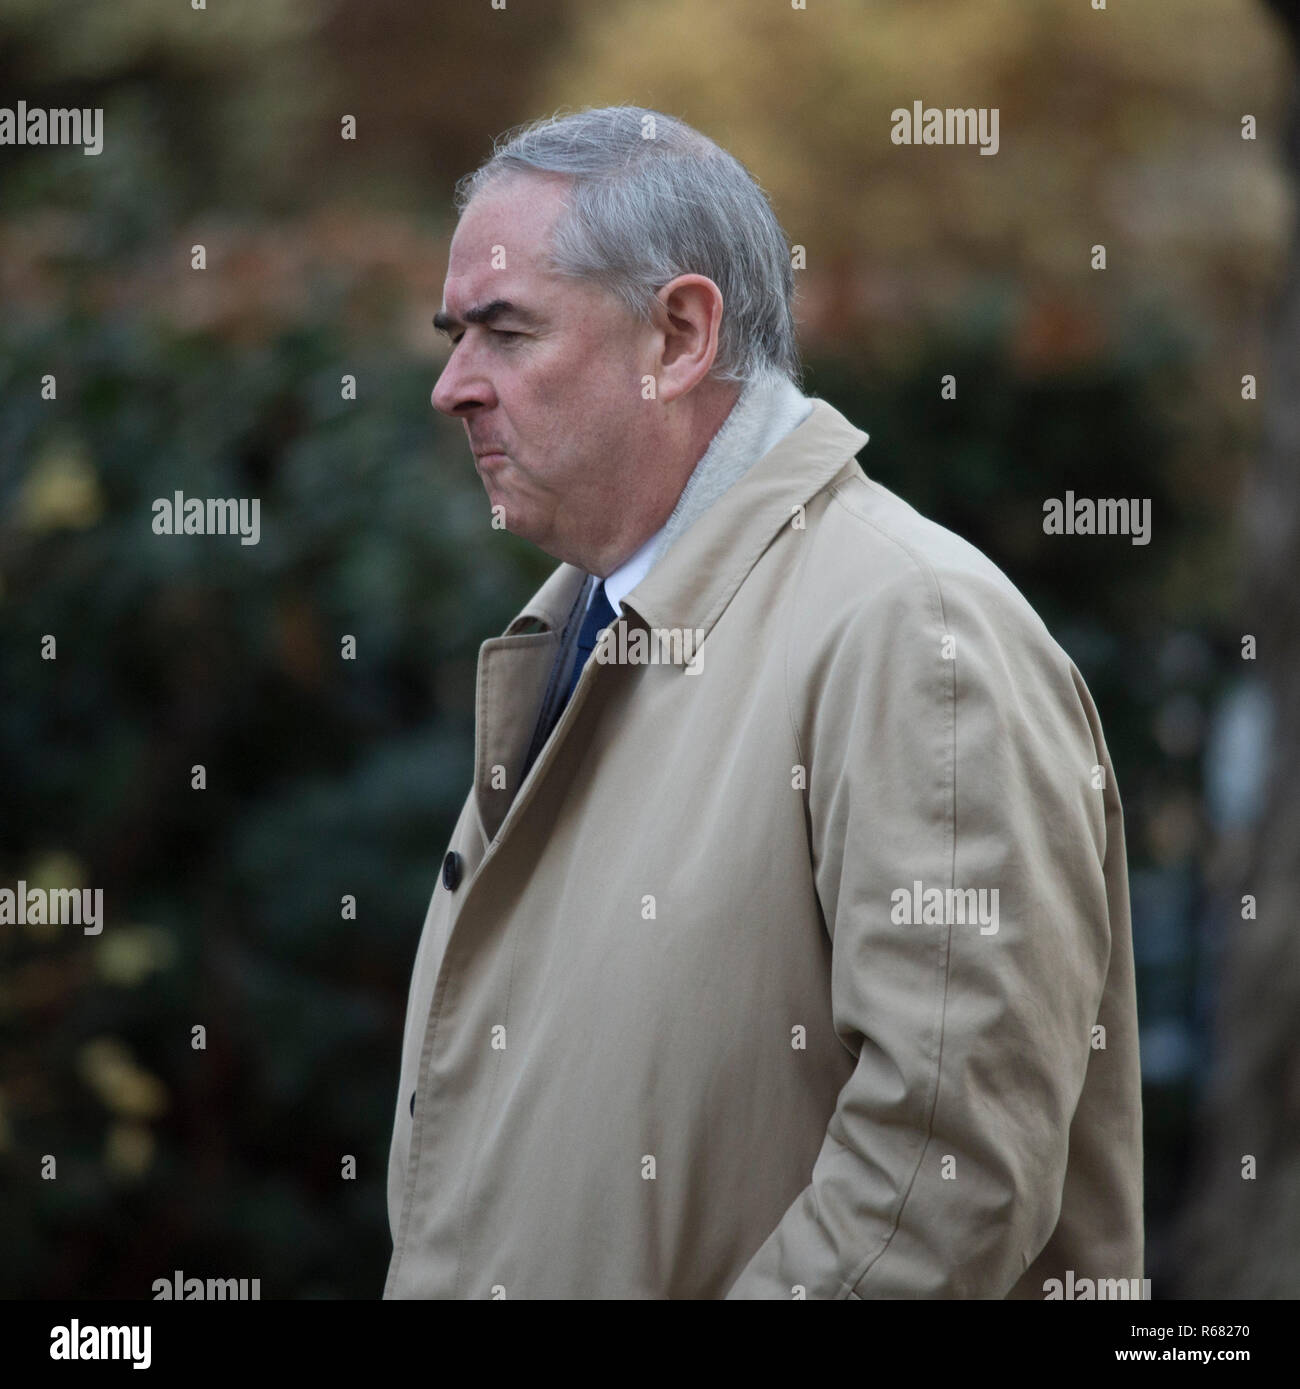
column 688, row 1018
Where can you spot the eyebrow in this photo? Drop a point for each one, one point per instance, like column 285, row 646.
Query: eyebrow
column 485, row 313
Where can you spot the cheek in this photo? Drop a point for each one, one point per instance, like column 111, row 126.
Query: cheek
column 614, row 353
column 580, row 390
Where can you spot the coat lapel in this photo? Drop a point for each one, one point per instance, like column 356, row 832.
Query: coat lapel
column 513, row 673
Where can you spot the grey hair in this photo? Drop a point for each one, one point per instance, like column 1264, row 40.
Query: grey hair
column 653, row 198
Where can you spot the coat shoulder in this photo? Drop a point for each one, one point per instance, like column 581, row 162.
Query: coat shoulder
column 874, row 560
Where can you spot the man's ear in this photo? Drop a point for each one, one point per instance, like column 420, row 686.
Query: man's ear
column 688, row 319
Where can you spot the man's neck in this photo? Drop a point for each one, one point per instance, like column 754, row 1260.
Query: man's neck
column 710, row 415
column 767, row 410
column 770, row 407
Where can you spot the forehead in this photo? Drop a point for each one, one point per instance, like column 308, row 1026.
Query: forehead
column 503, row 236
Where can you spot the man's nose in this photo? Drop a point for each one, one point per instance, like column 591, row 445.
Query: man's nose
column 460, row 388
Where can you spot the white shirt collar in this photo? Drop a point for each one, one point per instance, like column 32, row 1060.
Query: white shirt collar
column 630, row 573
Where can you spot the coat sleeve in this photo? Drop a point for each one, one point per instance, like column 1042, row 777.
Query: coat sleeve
column 948, row 746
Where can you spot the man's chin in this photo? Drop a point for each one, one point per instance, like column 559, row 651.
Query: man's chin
column 514, row 519
column 524, row 522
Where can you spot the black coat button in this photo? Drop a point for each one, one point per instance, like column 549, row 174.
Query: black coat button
column 451, row 871
column 412, row 1104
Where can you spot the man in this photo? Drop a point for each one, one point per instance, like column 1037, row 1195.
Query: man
column 782, row 947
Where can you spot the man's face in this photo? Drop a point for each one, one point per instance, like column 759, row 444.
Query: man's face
column 548, row 381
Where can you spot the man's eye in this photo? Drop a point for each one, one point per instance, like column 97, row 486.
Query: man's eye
column 497, row 332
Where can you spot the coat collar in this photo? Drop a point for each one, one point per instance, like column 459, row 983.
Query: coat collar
column 698, row 575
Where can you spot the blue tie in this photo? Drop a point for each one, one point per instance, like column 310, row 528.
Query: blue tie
column 599, row 615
